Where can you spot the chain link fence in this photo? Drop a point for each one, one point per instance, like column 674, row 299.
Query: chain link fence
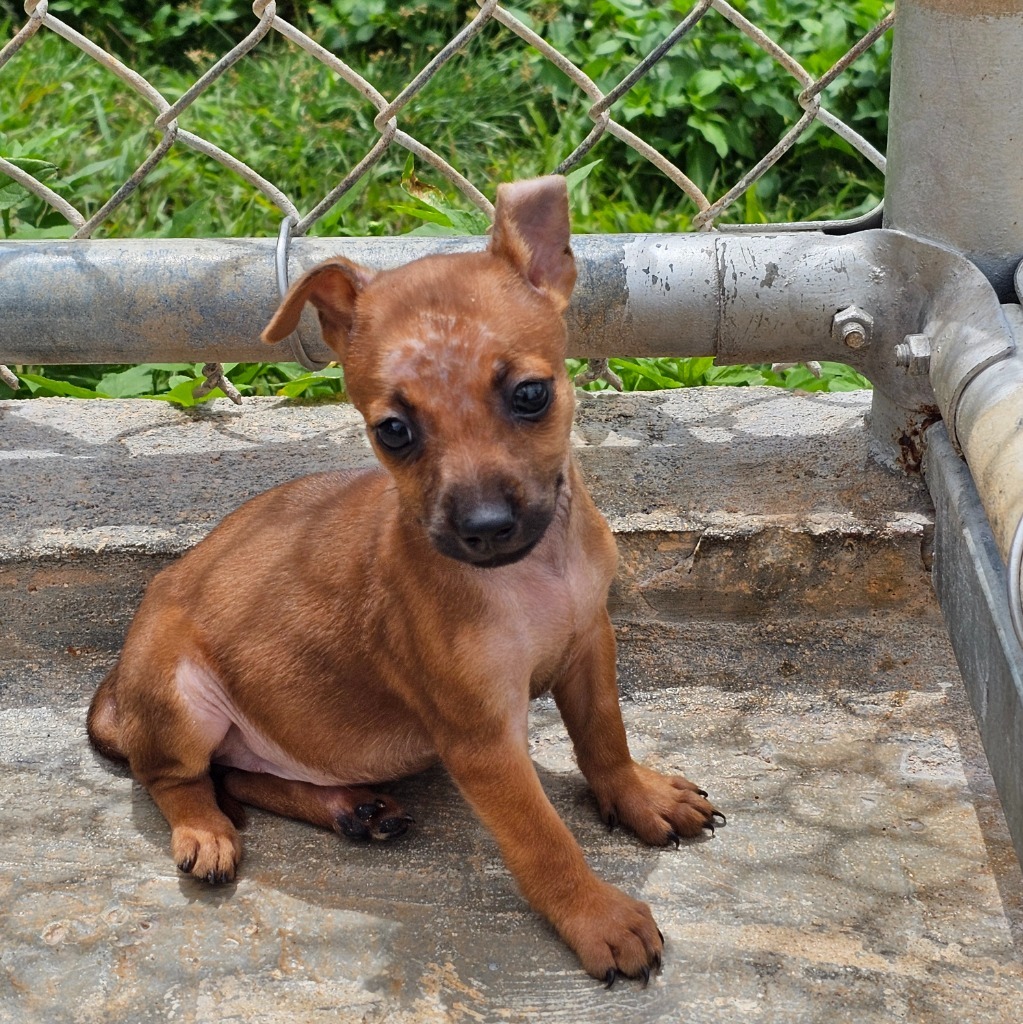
column 599, row 104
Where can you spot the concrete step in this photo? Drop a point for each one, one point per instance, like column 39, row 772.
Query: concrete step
column 779, row 642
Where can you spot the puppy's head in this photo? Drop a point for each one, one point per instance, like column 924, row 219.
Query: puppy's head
column 457, row 364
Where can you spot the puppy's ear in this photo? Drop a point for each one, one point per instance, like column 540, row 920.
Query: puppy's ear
column 532, row 231
column 333, row 288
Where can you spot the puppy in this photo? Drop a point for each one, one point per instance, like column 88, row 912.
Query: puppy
column 380, row 621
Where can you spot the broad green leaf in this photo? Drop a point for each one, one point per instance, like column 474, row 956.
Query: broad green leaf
column 182, row 394
column 713, row 133
column 706, row 81
column 58, row 388
column 130, row 383
column 28, row 231
column 423, row 212
column 575, row 178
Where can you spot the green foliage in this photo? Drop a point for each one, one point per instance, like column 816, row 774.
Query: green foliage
column 498, row 111
column 659, row 374
column 175, row 382
column 714, row 105
column 717, row 103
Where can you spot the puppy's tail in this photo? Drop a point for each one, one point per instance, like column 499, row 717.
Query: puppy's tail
column 101, row 724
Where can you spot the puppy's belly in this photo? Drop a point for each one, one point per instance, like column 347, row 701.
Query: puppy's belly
column 380, row 756
column 244, row 747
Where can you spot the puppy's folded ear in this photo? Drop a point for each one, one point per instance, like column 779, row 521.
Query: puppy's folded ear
column 333, row 288
column 531, row 230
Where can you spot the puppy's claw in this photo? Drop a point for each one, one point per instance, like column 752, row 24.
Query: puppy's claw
column 394, row 827
column 702, row 792
column 351, row 827
column 645, row 975
column 610, row 978
column 718, row 814
column 611, row 820
column 214, row 877
column 673, row 837
column 365, row 823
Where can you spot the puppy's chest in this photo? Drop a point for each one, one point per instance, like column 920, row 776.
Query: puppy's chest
column 543, row 612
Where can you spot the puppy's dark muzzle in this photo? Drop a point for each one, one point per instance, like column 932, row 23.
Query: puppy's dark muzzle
column 491, row 532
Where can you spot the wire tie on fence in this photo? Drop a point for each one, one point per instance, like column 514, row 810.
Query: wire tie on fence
column 216, row 378
column 598, row 369
column 281, row 255
column 8, row 378
column 281, row 263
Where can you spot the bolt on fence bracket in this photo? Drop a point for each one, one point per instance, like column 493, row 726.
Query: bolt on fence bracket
column 913, row 354
column 852, row 326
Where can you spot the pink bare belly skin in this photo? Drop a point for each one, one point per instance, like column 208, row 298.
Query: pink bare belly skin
column 356, row 756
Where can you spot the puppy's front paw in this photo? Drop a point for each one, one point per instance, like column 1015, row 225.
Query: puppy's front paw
column 613, row 935
column 211, row 855
column 660, row 809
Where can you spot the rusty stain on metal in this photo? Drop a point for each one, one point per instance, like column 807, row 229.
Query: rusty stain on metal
column 912, row 442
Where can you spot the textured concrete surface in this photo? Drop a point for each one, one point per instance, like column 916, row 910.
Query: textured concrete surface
column 862, row 877
column 779, row 643
column 140, row 475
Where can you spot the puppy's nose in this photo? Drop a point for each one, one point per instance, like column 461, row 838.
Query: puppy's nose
column 486, row 523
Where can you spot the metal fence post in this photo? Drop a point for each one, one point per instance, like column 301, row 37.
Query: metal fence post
column 955, row 177
column 955, row 143
column 955, row 159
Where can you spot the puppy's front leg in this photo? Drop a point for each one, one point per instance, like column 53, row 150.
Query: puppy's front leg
column 658, row 808
column 610, row 932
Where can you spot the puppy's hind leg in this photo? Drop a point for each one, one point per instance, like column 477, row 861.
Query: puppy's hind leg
column 169, row 743
column 351, row 811
column 101, row 724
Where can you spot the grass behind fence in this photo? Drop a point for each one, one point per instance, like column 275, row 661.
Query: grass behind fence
column 496, row 112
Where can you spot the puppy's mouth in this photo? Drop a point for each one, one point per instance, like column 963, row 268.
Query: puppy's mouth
column 493, row 531
column 495, row 559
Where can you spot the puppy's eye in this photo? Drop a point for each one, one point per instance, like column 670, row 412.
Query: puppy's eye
column 531, row 398
column 394, row 434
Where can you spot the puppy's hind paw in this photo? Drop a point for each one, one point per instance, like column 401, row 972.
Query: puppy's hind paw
column 207, row 854
column 377, row 818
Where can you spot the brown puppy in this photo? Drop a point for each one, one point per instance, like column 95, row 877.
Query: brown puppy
column 380, row 621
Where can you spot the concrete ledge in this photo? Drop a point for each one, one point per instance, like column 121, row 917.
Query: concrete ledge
column 135, row 475
column 734, row 507
column 728, row 503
